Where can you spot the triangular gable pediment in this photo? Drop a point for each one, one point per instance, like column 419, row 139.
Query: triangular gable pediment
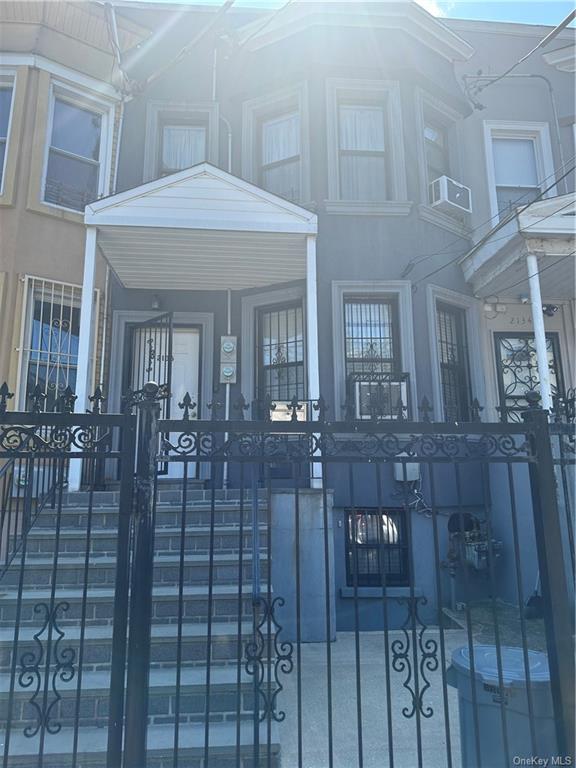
column 202, row 197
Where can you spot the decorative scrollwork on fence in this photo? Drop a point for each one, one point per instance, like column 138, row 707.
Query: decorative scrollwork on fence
column 46, row 666
column 53, row 439
column 414, row 648
column 281, row 663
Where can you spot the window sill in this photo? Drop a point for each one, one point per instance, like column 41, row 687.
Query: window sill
column 67, row 214
column 375, row 593
column 351, row 208
column 443, row 220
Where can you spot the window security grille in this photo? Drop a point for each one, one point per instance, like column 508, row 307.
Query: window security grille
column 281, row 373
column 51, row 335
column 454, row 366
column 376, row 548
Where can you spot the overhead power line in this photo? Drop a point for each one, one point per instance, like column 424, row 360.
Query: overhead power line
column 545, row 40
column 538, row 272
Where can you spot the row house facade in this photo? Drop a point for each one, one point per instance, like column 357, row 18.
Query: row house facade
column 319, row 200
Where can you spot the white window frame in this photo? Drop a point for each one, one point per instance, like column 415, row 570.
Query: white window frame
column 388, row 93
column 472, row 307
column 7, row 79
column 25, row 329
column 402, row 292
column 82, row 99
column 156, row 109
column 540, row 135
column 254, row 111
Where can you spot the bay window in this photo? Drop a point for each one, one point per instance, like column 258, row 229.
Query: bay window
column 362, row 152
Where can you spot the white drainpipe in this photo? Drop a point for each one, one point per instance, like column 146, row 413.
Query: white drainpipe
column 539, row 331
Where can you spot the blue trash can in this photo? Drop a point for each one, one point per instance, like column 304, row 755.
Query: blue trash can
column 513, row 694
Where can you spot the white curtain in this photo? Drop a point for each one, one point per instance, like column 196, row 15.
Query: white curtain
column 515, row 162
column 280, row 138
column 183, row 146
column 362, row 128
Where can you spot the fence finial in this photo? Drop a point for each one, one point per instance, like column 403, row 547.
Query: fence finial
column 321, row 408
column 425, row 409
column 475, row 410
column 187, row 405
column 37, row 397
column 97, row 399
column 241, row 406
column 5, row 395
column 67, row 400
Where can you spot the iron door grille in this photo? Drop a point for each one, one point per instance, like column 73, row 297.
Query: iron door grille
column 281, row 354
column 454, row 366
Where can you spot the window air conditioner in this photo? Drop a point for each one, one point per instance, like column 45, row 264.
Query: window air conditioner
column 449, row 196
column 369, row 397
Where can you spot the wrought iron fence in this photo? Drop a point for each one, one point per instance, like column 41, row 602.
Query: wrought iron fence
column 179, row 621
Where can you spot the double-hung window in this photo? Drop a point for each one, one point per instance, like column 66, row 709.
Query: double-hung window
column 182, row 146
column 436, row 149
column 280, row 155
column 454, row 366
column 6, row 92
column 362, row 152
column 74, row 170
column 515, row 172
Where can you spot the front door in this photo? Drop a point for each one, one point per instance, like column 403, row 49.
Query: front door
column 185, row 378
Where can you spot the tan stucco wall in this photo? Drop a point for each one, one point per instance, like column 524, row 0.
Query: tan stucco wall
column 36, row 239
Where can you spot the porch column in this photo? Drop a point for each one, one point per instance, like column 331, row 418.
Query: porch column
column 84, row 342
column 312, row 337
column 539, row 331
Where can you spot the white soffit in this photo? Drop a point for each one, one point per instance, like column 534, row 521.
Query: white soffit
column 201, row 198
column 173, row 259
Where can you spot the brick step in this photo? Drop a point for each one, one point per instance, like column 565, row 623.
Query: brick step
column 100, row 604
column 226, row 645
column 167, row 540
column 102, row 570
column 166, row 515
column 92, row 743
column 93, row 705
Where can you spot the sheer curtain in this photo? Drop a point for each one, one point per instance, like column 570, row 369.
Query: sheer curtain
column 182, row 146
column 281, row 155
column 362, row 152
column 515, row 171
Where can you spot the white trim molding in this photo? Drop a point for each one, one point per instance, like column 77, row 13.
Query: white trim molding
column 262, row 107
column 386, row 92
column 402, row 291
column 207, row 111
column 474, row 321
column 250, row 304
column 8, row 79
column 540, row 135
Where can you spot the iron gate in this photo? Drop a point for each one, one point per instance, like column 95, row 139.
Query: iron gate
column 306, row 625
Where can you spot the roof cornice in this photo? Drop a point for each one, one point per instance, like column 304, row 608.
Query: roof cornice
column 406, row 16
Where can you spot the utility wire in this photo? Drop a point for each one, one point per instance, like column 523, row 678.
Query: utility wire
column 418, row 259
column 489, row 234
column 545, row 40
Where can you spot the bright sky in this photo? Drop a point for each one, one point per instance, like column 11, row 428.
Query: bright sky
column 550, row 12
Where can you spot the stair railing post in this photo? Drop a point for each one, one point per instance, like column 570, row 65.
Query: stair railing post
column 137, row 682
column 558, row 609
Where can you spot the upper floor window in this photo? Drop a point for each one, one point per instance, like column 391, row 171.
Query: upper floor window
column 516, row 173
column 362, row 152
column 436, row 148
column 280, row 171
column 5, row 110
column 74, row 171
column 454, row 368
column 182, row 147
column 519, row 164
column 366, row 169
column 275, row 146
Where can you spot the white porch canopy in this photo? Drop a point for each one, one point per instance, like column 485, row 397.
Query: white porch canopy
column 534, row 255
column 200, row 229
